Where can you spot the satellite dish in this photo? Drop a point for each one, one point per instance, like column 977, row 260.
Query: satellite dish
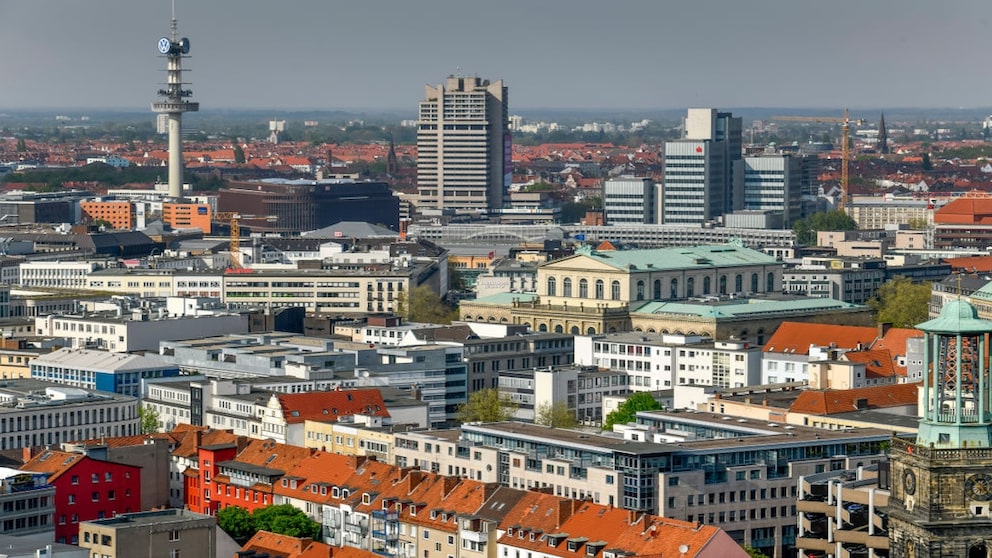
column 683, row 548
column 184, row 45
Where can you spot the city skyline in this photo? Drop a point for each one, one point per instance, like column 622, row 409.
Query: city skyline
column 380, row 55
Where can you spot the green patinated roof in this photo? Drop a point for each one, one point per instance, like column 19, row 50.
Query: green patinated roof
column 957, row 316
column 741, row 308
column 984, row 293
column 505, row 298
column 681, row 257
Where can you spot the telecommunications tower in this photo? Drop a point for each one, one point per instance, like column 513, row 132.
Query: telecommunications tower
column 175, row 102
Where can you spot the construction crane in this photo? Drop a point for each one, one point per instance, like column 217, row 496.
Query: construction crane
column 234, row 218
column 845, row 151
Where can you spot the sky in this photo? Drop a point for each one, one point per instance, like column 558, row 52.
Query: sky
column 559, row 54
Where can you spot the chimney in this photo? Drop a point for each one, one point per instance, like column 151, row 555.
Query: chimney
column 414, row 478
column 448, row 484
column 633, row 516
column 884, row 328
column 356, row 461
column 198, row 437
column 29, row 453
column 566, row 506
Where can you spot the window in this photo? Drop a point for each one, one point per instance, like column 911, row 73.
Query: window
column 174, row 553
column 174, row 535
column 706, row 285
column 640, row 290
column 615, row 290
column 552, row 286
column 583, row 288
column 674, row 289
column 566, row 287
column 599, row 288
column 690, row 287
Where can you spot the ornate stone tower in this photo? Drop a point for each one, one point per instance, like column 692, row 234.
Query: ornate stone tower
column 942, row 482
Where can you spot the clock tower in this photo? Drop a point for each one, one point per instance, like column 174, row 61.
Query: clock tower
column 942, row 481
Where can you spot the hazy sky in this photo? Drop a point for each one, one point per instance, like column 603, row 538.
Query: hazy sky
column 324, row 54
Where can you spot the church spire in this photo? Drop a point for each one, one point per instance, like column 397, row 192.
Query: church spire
column 883, row 136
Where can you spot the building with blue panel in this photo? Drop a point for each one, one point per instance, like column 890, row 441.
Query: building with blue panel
column 101, row 370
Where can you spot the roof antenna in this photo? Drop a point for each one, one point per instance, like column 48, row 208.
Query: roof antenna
column 174, row 35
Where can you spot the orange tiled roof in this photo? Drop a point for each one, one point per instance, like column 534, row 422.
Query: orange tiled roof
column 329, row 405
column 878, row 363
column 796, row 337
column 966, row 211
column 620, row 529
column 829, row 402
column 53, row 462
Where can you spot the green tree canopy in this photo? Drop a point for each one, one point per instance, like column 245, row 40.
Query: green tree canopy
column 147, row 419
column 556, row 415
column 901, row 302
column 422, row 304
column 754, row 552
column 239, row 153
column 627, row 411
column 807, row 228
column 236, row 522
column 285, row 519
column 487, row 405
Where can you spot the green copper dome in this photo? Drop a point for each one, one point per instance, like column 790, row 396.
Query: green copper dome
column 957, row 316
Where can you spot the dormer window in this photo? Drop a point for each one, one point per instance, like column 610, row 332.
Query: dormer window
column 509, row 531
column 323, row 491
column 433, row 514
column 285, row 482
column 366, row 498
column 292, row 484
column 345, row 492
column 336, row 492
column 532, row 536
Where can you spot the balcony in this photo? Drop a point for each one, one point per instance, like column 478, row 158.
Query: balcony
column 474, row 536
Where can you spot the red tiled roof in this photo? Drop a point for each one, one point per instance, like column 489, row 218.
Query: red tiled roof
column 329, row 405
column 829, row 402
column 53, row 462
column 966, row 211
column 878, row 363
column 796, row 337
column 634, row 532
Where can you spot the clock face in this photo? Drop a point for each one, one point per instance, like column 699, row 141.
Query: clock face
column 164, row 45
column 909, row 481
column 979, row 487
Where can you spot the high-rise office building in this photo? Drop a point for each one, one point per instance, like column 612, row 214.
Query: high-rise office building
column 463, row 145
column 774, row 183
column 631, row 201
column 703, row 170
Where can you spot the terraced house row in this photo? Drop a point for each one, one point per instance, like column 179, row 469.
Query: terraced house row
column 407, row 513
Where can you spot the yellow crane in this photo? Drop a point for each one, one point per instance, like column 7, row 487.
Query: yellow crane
column 845, row 151
column 234, row 219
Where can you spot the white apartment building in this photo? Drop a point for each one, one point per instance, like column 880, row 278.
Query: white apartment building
column 38, row 413
column 138, row 332
column 56, row 274
column 656, row 362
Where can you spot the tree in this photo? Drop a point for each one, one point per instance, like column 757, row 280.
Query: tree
column 901, row 302
column 754, row 552
column 487, row 405
column 555, row 415
column 21, row 146
column 236, row 522
column 422, row 304
column 807, row 228
column 239, row 154
column 627, row 411
column 927, row 164
column 147, row 419
column 285, row 519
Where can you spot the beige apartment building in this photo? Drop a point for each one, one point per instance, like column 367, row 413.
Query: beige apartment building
column 365, row 436
column 171, row 533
